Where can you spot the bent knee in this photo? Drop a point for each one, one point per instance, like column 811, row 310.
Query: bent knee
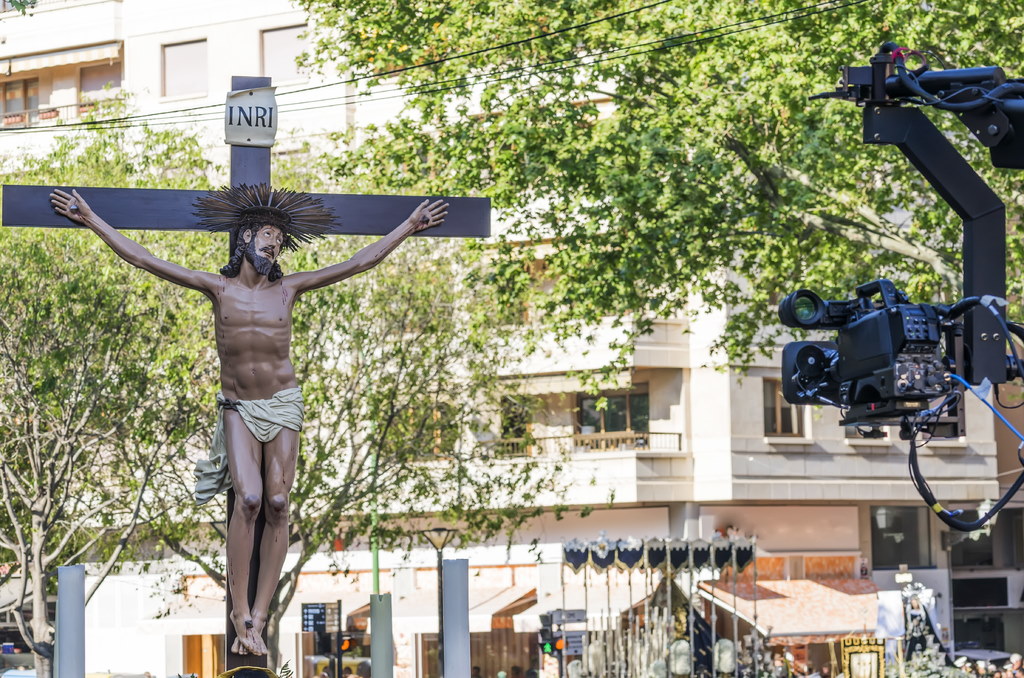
column 277, row 506
column 250, row 504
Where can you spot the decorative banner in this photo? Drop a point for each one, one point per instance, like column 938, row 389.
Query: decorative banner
column 701, row 553
column 744, row 554
column 602, row 553
column 721, row 553
column 629, row 553
column 250, row 117
column 576, row 554
column 656, row 553
column 678, row 553
column 863, row 657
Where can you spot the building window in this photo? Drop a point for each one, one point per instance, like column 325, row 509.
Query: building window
column 185, row 69
column 515, row 417
column 975, row 549
column 980, row 592
column 620, row 412
column 20, row 100
column 900, row 536
column 281, row 48
column 1015, row 518
column 780, row 418
column 100, row 82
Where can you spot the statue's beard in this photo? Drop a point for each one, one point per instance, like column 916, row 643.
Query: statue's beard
column 262, row 264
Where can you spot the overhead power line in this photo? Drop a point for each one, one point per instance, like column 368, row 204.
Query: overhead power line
column 425, row 64
column 542, row 68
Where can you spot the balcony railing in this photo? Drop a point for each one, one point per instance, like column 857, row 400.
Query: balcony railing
column 46, row 116
column 587, row 442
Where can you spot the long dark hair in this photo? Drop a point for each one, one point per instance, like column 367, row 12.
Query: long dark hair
column 234, row 265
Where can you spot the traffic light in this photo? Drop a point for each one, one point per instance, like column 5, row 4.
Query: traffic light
column 553, row 647
column 545, row 627
column 346, row 644
column 546, row 638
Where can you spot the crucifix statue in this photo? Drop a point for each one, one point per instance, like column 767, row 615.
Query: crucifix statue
column 256, row 441
column 257, row 434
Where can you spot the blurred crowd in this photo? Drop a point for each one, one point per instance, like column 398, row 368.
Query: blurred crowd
column 1011, row 669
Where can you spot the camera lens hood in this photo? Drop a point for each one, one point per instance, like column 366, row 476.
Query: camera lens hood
column 803, row 309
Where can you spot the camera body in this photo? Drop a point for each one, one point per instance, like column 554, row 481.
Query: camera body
column 888, row 359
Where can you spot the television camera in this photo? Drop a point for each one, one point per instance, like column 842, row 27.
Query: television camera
column 892, row 359
column 904, row 364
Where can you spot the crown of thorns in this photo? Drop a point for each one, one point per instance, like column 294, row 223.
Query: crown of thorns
column 300, row 216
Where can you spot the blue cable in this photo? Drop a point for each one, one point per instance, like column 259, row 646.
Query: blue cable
column 999, row 414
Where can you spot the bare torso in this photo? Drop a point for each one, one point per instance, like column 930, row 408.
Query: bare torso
column 253, row 327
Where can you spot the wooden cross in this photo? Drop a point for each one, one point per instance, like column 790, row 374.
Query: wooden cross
column 171, row 210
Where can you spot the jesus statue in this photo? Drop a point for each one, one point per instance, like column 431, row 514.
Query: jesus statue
column 256, row 441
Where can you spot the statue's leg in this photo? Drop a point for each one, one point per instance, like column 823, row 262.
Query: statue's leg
column 245, row 455
column 279, row 459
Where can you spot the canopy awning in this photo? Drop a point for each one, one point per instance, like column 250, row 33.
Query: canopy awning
column 563, row 383
column 188, row 616
column 77, row 55
column 599, row 601
column 802, row 611
column 202, row 611
column 417, row 612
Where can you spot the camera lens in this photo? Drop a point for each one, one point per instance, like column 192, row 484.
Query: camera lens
column 813, row 360
column 802, row 308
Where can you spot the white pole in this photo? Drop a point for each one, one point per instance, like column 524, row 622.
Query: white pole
column 382, row 642
column 70, row 639
column 456, row 618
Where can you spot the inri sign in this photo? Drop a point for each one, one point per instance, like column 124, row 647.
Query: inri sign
column 250, row 117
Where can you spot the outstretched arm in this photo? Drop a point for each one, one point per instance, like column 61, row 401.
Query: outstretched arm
column 423, row 217
column 77, row 210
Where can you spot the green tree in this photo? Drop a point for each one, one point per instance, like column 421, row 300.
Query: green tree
column 400, row 375
column 667, row 158
column 98, row 378
column 22, row 5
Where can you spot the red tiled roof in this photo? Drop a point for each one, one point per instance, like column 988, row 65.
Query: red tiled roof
column 811, row 610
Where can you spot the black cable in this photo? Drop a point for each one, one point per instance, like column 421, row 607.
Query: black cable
column 514, row 43
column 945, row 515
column 466, row 81
column 920, row 483
column 936, row 413
column 983, row 97
column 961, row 307
column 425, row 64
column 395, row 71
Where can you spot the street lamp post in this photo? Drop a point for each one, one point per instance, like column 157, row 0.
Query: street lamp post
column 439, row 537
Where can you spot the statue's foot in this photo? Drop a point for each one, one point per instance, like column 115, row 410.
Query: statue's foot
column 247, row 641
column 259, row 621
column 237, row 647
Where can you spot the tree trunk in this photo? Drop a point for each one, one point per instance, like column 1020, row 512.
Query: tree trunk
column 42, row 631
column 44, row 666
column 274, row 640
